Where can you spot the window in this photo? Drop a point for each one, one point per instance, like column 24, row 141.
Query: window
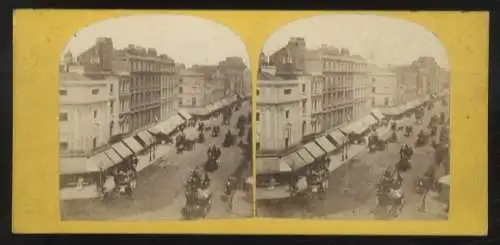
column 373, row 89
column 63, row 116
column 257, row 117
column 111, row 106
column 63, row 92
column 257, row 92
column 111, row 88
column 287, row 114
column 303, row 88
column 95, row 114
column 257, row 145
column 63, row 146
column 95, row 91
column 286, row 142
column 193, row 100
column 94, row 142
column 180, row 101
column 386, row 101
column 180, row 88
column 287, row 91
column 373, row 101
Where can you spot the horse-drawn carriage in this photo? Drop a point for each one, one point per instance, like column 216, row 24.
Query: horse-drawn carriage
column 215, row 131
column 122, row 184
column 375, row 143
column 408, row 130
column 423, row 139
column 198, row 203
column 390, row 195
column 182, row 143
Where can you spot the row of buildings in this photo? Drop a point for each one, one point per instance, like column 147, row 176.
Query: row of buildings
column 304, row 94
column 107, row 94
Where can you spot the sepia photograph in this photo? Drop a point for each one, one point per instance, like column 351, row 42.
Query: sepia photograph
column 155, row 121
column 352, row 121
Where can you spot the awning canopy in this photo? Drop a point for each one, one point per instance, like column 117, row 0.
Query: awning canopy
column 357, row 127
column 271, row 166
column 306, row 156
column 210, row 108
column 392, row 111
column 383, row 133
column 146, row 137
column 164, row 127
column 403, row 122
column 154, row 130
column 132, row 143
column 445, row 180
column 176, row 121
column 113, row 156
column 183, row 113
column 314, row 149
column 378, row 114
column 122, row 150
column 79, row 165
column 325, row 144
column 199, row 111
column 294, row 161
column 338, row 137
column 368, row 121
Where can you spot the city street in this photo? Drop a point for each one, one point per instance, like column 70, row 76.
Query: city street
column 352, row 193
column 160, row 193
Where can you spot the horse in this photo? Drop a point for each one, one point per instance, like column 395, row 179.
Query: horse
column 391, row 202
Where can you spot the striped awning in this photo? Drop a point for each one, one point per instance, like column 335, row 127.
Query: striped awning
column 378, row 114
column 184, row 114
column 176, row 121
column 101, row 161
column 338, row 137
column 271, row 166
column 146, row 137
column 132, row 143
column 77, row 165
column 294, row 161
column 325, row 144
column 122, row 150
column 306, row 156
column 113, row 156
column 314, row 149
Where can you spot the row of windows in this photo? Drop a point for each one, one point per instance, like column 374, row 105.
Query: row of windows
column 63, row 116
column 287, row 115
column 150, row 66
column 93, row 91
column 341, row 66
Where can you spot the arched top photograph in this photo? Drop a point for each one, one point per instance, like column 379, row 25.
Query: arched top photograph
column 376, row 91
column 148, row 106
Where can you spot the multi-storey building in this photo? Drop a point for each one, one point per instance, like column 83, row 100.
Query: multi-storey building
column 232, row 72
column 88, row 113
column 148, row 86
column 192, row 89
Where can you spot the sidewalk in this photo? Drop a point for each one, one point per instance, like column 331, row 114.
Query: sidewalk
column 242, row 204
column 90, row 191
column 353, row 152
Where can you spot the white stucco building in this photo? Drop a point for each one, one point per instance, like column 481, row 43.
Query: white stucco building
column 88, row 113
column 191, row 90
column 281, row 111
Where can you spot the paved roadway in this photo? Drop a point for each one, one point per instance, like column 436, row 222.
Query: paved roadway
column 351, row 193
column 159, row 193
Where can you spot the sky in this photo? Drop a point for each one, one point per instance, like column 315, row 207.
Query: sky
column 187, row 39
column 381, row 40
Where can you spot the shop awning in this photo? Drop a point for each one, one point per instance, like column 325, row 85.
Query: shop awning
column 224, row 102
column 294, row 161
column 122, row 150
column 338, row 137
column 132, row 143
column 368, row 121
column 163, row 127
column 356, row 127
column 76, row 165
column 306, row 156
column 445, row 180
column 383, row 133
column 271, row 166
column 184, row 114
column 176, row 121
column 146, row 137
column 154, row 130
column 113, row 156
column 378, row 114
column 325, row 144
column 391, row 111
column 314, row 149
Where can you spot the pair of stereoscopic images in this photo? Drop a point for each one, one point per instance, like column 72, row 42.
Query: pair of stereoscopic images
column 351, row 121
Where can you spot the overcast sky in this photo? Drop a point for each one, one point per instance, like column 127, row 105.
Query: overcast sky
column 187, row 39
column 381, row 40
